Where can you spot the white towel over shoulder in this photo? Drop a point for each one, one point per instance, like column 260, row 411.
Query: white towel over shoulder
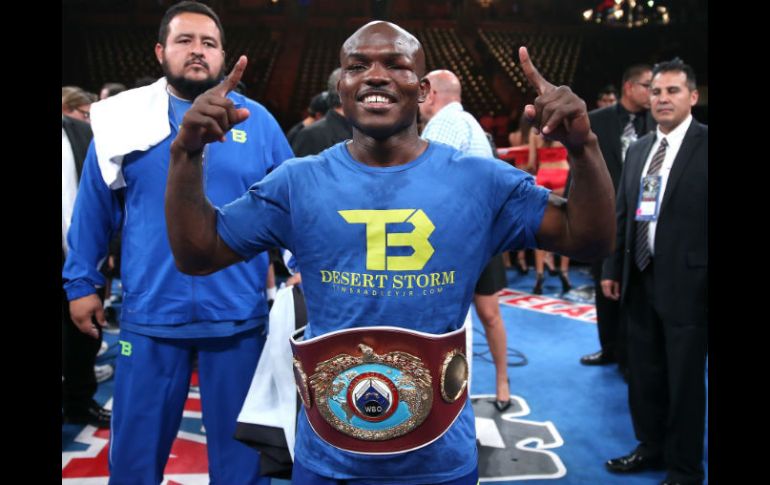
column 134, row 120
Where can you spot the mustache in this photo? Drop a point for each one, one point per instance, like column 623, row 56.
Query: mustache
column 197, row 60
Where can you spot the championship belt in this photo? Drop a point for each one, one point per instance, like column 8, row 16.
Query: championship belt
column 381, row 390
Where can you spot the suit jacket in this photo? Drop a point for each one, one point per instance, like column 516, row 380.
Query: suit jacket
column 324, row 133
column 681, row 235
column 605, row 122
column 79, row 134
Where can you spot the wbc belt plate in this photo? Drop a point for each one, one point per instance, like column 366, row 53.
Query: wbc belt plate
column 381, row 390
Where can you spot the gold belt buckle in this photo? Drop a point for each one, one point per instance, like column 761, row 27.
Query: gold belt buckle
column 382, row 397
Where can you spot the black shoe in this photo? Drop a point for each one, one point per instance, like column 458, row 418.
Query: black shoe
column 635, row 462
column 597, row 358
column 538, row 289
column 565, row 283
column 94, row 415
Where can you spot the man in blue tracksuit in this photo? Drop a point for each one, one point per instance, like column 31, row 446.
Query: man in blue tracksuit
column 167, row 316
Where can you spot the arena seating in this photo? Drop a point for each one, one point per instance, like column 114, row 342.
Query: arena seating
column 445, row 50
column 556, row 56
column 125, row 54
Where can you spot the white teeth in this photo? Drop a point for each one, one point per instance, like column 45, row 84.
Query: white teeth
column 374, row 98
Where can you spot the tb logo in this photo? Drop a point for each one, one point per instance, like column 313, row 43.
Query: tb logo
column 378, row 238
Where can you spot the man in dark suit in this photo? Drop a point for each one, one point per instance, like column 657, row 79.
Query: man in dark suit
column 78, row 349
column 316, row 110
column 617, row 126
column 330, row 130
column 659, row 271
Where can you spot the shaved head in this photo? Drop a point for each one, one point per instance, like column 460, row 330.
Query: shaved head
column 381, row 86
column 386, row 33
column 445, row 88
column 445, row 83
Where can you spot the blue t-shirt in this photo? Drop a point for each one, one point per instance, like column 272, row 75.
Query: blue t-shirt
column 400, row 246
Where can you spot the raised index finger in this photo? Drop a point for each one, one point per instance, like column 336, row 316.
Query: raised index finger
column 232, row 79
column 533, row 75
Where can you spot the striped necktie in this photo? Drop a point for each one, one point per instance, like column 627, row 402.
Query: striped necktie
column 642, row 254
